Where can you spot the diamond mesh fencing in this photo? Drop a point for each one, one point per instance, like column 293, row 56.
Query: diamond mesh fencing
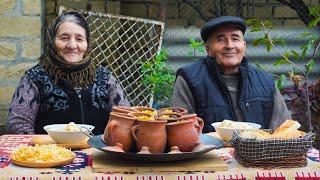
column 122, row 44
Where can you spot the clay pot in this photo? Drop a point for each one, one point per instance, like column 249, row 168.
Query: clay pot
column 145, row 109
column 123, row 109
column 152, row 134
column 170, row 117
column 168, row 110
column 183, row 134
column 198, row 122
column 142, row 116
column 118, row 130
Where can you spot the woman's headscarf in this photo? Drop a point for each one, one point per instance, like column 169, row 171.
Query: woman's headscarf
column 80, row 74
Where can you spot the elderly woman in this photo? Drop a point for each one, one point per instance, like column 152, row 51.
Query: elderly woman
column 65, row 86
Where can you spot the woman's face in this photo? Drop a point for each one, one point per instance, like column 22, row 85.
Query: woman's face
column 70, row 41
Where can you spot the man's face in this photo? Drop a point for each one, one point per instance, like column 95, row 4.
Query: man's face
column 227, row 45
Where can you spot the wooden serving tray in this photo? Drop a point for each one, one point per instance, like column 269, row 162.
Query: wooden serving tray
column 44, row 164
column 46, row 139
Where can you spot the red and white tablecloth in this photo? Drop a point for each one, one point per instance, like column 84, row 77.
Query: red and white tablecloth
column 81, row 168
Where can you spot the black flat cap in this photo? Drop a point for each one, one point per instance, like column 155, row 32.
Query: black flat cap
column 214, row 23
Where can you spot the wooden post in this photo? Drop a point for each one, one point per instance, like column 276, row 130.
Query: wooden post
column 89, row 5
column 162, row 10
column 239, row 8
column 106, row 4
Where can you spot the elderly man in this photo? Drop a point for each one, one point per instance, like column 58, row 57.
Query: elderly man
column 223, row 85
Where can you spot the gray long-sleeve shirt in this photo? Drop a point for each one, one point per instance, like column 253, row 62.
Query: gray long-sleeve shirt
column 182, row 97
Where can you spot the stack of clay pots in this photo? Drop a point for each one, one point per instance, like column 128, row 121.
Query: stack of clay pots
column 145, row 130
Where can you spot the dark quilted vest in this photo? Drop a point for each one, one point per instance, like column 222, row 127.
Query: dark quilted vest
column 211, row 97
column 60, row 104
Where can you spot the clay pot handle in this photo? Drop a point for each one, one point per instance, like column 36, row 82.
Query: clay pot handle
column 134, row 130
column 201, row 123
column 110, row 128
column 198, row 128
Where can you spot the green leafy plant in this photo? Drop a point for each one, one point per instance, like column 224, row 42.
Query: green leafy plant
column 195, row 47
column 159, row 77
column 299, row 73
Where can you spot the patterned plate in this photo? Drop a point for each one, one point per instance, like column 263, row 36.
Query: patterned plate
column 208, row 143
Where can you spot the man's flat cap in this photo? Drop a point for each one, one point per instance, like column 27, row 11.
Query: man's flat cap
column 214, row 23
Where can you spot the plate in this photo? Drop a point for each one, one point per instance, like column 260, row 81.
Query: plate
column 44, row 164
column 208, row 143
column 46, row 139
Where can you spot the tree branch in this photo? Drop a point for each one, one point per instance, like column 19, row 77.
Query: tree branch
column 301, row 9
column 284, row 57
column 198, row 9
column 315, row 50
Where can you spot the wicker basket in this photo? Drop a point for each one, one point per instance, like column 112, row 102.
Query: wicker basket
column 249, row 150
column 297, row 161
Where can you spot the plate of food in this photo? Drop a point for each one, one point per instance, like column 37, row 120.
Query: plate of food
column 42, row 156
column 207, row 143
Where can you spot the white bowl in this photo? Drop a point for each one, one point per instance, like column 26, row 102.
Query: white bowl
column 226, row 132
column 61, row 136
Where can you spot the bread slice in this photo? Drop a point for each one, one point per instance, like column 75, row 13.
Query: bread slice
column 288, row 125
column 291, row 134
column 255, row 134
column 287, row 130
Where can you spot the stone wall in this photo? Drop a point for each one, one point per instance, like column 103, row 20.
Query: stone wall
column 52, row 8
column 20, row 46
column 183, row 15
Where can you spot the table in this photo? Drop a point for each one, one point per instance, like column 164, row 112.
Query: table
column 81, row 168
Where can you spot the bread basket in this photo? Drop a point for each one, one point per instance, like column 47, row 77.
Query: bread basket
column 249, row 149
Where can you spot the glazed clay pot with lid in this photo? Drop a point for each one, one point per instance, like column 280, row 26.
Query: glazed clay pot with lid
column 118, row 130
column 183, row 134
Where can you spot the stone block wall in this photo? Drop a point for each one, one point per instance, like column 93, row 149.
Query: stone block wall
column 20, row 46
column 52, row 7
column 180, row 14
